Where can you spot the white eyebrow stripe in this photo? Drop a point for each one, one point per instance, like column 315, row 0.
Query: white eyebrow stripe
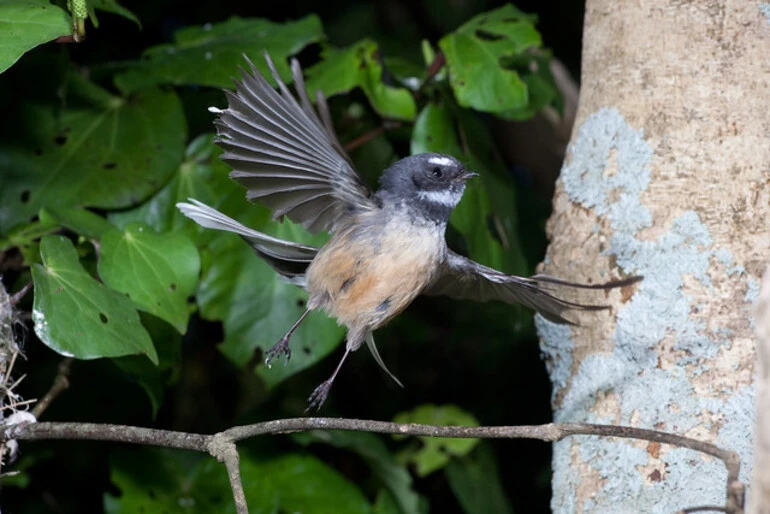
column 441, row 161
column 445, row 197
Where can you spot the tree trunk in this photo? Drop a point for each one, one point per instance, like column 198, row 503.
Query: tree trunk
column 666, row 176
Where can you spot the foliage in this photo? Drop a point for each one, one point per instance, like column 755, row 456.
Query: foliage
column 98, row 146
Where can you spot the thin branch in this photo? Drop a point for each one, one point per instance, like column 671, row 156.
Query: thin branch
column 17, row 296
column 225, row 451
column 60, row 383
column 433, row 68
column 222, row 445
column 703, row 508
column 368, row 136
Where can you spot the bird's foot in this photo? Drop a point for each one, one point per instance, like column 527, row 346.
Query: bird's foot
column 278, row 349
column 319, row 395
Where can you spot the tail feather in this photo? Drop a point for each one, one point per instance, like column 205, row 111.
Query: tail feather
column 289, row 259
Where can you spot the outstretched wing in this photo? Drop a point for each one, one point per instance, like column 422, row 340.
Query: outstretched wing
column 285, row 156
column 463, row 278
column 289, row 259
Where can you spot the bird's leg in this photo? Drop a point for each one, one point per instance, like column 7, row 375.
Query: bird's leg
column 282, row 346
column 322, row 391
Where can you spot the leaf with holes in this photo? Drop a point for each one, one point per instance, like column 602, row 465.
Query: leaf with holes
column 360, row 66
column 25, row 24
column 77, row 316
column 100, row 151
column 437, row 451
column 210, row 55
column 157, row 271
column 476, row 55
column 203, row 176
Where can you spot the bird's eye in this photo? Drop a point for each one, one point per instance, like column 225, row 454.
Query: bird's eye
column 436, row 172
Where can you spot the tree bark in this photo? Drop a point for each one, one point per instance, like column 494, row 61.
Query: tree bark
column 666, row 176
column 760, row 480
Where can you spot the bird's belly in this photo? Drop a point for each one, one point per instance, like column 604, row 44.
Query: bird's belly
column 363, row 282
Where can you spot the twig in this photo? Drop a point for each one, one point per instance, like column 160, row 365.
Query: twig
column 222, row 445
column 368, row 136
column 433, row 68
column 703, row 508
column 17, row 296
column 225, row 451
column 60, row 383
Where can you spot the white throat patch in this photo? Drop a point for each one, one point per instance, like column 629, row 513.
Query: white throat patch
column 446, row 197
column 441, row 161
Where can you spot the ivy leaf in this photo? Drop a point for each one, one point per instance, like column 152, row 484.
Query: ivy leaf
column 436, row 452
column 153, row 480
column 535, row 71
column 476, row 54
column 25, row 24
column 360, row 66
column 101, row 151
column 77, row 316
column 157, row 271
column 209, row 55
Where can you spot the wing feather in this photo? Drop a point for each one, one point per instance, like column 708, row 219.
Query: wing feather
column 285, row 155
column 463, row 278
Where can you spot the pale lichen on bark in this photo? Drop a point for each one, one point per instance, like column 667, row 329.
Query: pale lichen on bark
column 667, row 177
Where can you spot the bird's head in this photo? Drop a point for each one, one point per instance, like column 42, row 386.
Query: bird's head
column 431, row 182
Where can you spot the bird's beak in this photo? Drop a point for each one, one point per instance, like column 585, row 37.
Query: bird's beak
column 468, row 174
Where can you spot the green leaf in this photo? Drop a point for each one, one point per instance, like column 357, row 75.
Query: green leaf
column 360, row 66
column 385, row 503
column 210, row 55
column 436, row 452
column 157, row 271
column 110, row 6
column 154, row 379
column 475, row 481
column 535, row 71
column 25, row 24
column 203, row 176
column 373, row 451
column 77, row 316
column 101, row 151
column 476, row 54
column 258, row 308
column 172, row 481
column 80, row 221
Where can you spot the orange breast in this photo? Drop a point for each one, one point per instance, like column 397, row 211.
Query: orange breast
column 366, row 280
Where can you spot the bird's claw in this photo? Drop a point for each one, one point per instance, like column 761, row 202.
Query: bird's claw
column 318, row 397
column 278, row 349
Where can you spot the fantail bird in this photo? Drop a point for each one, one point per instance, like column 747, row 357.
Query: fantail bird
column 386, row 247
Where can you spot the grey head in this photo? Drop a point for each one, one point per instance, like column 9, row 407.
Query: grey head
column 431, row 184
